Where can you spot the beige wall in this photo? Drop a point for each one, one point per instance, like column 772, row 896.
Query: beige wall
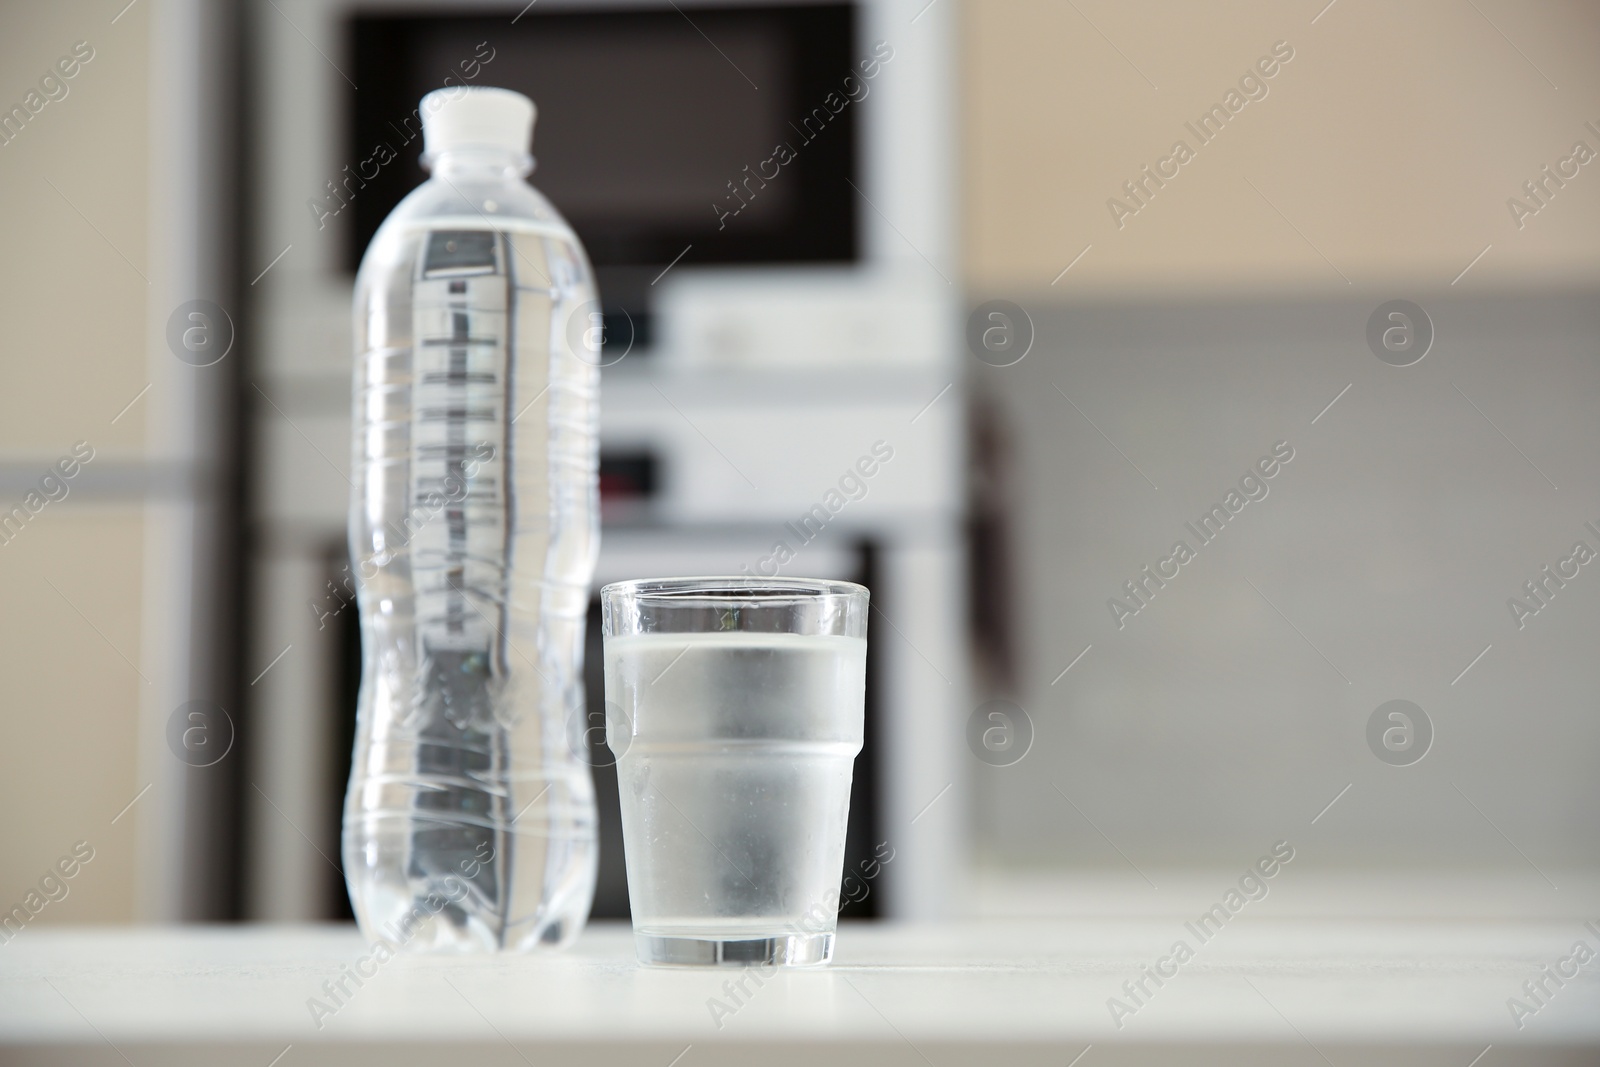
column 1391, row 141
column 1209, row 327
column 69, row 719
column 73, row 356
column 74, row 307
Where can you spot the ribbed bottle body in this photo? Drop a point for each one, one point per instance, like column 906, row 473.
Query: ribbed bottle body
column 470, row 818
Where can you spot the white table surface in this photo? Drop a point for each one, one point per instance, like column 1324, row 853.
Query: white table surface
column 1271, row 991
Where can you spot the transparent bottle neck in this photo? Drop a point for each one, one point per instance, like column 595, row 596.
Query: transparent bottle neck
column 481, row 164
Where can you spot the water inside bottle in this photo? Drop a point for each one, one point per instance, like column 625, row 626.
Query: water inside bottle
column 470, row 820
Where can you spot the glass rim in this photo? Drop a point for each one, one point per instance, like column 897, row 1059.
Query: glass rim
column 742, row 589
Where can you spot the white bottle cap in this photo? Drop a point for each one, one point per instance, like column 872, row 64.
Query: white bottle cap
column 476, row 117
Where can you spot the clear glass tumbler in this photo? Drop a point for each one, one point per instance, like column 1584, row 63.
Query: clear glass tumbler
column 734, row 708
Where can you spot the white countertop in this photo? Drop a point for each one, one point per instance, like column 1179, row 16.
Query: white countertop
column 1270, row 991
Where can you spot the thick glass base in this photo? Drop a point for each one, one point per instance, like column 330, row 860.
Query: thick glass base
column 784, row 950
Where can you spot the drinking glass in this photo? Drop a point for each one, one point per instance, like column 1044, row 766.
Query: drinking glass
column 734, row 708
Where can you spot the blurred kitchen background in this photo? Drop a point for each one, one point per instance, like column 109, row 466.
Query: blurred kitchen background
column 983, row 252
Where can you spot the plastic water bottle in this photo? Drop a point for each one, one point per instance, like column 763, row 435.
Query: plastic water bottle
column 470, row 819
